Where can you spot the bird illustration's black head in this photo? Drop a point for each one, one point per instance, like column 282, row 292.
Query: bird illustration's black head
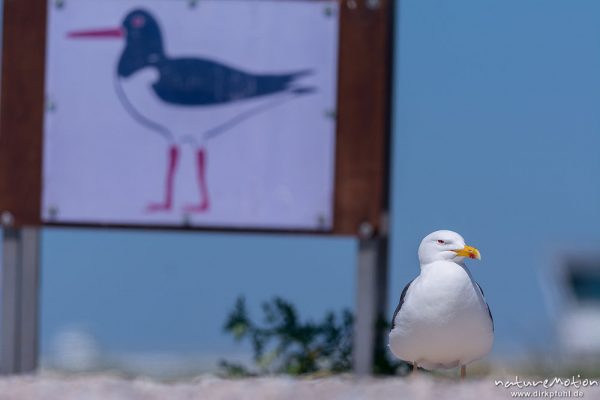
column 143, row 42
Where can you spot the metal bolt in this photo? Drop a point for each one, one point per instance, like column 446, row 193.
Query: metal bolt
column 321, row 221
column 187, row 220
column 192, row 3
column 373, row 4
column 7, row 219
column 330, row 114
column 52, row 212
column 352, row 4
column 59, row 4
column 328, row 11
column 365, row 230
column 50, row 105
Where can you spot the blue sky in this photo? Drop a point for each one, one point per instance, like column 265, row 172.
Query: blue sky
column 495, row 135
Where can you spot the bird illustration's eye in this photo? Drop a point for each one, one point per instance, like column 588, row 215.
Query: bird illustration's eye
column 440, row 241
column 138, row 21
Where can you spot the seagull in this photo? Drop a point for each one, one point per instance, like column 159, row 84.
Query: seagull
column 187, row 100
column 442, row 319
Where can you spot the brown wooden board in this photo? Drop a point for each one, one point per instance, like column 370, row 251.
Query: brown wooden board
column 22, row 109
column 362, row 150
column 362, row 141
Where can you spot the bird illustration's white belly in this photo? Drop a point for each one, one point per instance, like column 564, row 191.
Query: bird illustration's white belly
column 182, row 123
column 444, row 321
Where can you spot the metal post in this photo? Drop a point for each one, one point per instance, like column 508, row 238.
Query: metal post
column 9, row 317
column 19, row 280
column 371, row 302
column 30, row 263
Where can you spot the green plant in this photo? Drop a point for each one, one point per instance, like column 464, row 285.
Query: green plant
column 284, row 344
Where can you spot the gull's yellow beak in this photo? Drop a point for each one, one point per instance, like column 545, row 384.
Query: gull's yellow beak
column 468, row 251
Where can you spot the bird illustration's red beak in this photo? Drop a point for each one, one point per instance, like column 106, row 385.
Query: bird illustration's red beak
column 113, row 33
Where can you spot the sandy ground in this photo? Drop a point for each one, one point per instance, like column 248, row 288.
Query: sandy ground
column 56, row 387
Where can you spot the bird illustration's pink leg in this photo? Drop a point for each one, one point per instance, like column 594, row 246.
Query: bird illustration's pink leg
column 201, row 165
column 167, row 204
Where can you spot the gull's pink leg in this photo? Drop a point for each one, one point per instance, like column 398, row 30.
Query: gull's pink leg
column 171, row 167
column 201, row 164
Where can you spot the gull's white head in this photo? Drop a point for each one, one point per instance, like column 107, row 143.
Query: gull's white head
column 445, row 245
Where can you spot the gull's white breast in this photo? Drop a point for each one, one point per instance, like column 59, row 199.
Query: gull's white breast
column 444, row 321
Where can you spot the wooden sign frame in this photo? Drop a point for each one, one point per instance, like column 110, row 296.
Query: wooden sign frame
column 362, row 136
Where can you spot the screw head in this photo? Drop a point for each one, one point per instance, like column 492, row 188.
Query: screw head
column 365, row 230
column 7, row 219
column 50, row 105
column 52, row 212
column 351, row 4
column 321, row 220
column 373, row 4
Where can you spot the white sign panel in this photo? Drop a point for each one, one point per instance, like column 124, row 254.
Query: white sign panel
column 211, row 113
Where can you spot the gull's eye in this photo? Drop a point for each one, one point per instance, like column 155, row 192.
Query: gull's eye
column 440, row 241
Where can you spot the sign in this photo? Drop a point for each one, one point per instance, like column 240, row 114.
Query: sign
column 132, row 171
column 135, row 126
column 218, row 115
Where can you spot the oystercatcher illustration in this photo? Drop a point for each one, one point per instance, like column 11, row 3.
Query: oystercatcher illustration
column 187, row 100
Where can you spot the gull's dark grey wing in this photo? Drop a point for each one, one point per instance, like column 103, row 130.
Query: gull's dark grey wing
column 486, row 304
column 401, row 302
